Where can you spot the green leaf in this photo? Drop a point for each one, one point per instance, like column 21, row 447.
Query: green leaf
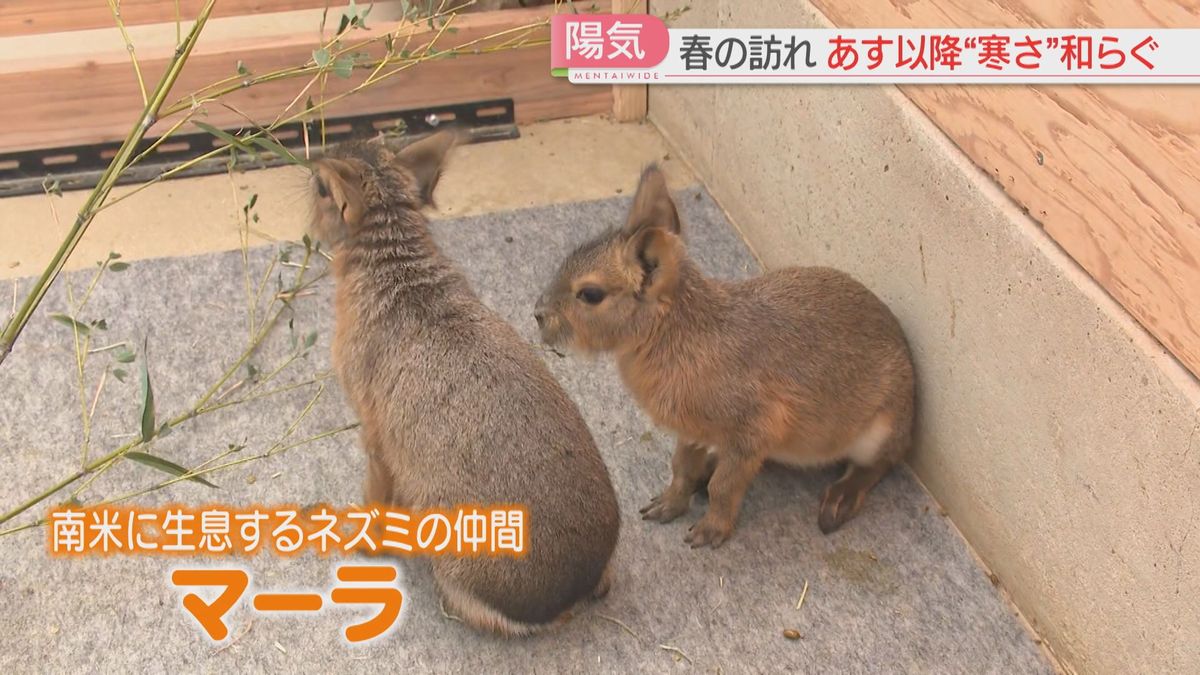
column 102, row 324
column 113, row 255
column 124, row 355
column 310, row 339
column 71, row 323
column 270, row 145
column 321, row 57
column 120, row 374
column 164, row 430
column 227, row 137
column 241, row 68
column 251, row 202
column 343, row 67
column 343, row 24
column 118, row 266
column 147, row 399
column 166, row 466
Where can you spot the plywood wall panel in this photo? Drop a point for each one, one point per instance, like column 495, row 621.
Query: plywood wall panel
column 1111, row 172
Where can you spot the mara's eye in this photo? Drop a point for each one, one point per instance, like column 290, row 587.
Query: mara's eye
column 592, row 295
column 321, row 190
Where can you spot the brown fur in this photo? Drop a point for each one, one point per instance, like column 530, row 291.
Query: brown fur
column 803, row 366
column 455, row 407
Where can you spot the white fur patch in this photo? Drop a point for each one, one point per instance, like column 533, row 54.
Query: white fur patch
column 864, row 450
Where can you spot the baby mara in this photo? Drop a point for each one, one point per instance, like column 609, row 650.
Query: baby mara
column 455, row 407
column 802, row 366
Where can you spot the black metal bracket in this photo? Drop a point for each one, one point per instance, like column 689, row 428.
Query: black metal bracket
column 80, row 167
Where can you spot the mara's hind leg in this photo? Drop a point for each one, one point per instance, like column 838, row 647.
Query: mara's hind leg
column 844, row 497
column 871, row 456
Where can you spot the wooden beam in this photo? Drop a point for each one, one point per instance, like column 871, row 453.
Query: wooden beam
column 93, row 102
column 629, row 100
column 29, row 17
column 1111, row 172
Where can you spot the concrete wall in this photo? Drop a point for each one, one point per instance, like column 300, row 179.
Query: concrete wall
column 1063, row 441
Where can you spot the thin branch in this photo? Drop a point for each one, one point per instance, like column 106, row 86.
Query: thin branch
column 227, row 465
column 105, row 348
column 96, row 397
column 198, row 409
column 321, row 105
column 114, row 5
column 107, row 180
column 156, row 108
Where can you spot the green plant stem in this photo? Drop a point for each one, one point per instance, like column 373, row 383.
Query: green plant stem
column 408, row 63
column 66, row 482
column 114, row 5
column 88, row 211
column 97, row 200
column 278, row 449
column 196, row 410
column 275, row 450
column 250, row 349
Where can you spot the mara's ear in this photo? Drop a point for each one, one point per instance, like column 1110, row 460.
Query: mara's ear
column 340, row 189
column 425, row 159
column 652, row 205
column 652, row 257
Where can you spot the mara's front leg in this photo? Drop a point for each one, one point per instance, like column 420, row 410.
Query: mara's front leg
column 691, row 467
column 735, row 470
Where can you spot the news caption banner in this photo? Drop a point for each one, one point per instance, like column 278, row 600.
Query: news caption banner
column 636, row 48
column 216, row 531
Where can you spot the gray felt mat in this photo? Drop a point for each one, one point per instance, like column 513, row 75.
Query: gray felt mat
column 895, row 591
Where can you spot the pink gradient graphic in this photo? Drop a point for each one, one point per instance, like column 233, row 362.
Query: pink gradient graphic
column 607, row 41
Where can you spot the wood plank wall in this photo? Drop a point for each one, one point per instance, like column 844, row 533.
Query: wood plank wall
column 81, row 100
column 1111, row 172
column 29, row 17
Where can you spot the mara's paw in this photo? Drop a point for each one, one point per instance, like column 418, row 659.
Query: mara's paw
column 839, row 503
column 666, row 507
column 711, row 530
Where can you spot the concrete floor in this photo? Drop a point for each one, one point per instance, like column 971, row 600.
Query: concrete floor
column 896, row 590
